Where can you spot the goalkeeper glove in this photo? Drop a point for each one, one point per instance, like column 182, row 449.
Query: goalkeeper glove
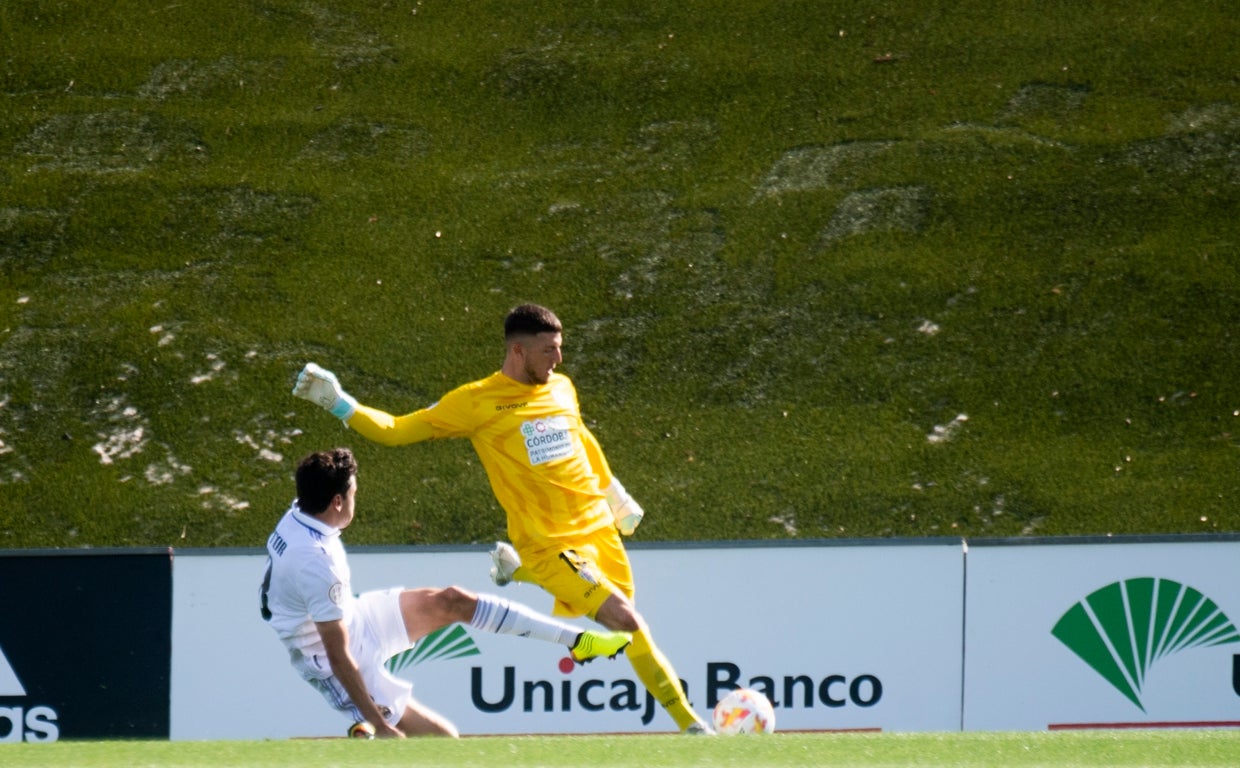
column 625, row 512
column 321, row 387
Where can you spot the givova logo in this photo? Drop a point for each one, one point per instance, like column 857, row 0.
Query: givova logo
column 451, row 642
column 37, row 724
column 1123, row 628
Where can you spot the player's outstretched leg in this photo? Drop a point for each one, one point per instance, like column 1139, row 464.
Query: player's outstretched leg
column 507, row 617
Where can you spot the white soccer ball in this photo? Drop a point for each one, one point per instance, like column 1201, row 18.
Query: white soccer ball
column 744, row 711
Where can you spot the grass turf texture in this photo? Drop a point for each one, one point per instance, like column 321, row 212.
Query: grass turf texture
column 1063, row 750
column 792, row 242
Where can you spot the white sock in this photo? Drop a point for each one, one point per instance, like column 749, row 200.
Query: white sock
column 504, row 617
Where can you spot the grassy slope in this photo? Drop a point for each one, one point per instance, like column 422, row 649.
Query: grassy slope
column 788, row 239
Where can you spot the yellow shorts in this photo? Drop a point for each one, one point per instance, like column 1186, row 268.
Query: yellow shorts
column 583, row 576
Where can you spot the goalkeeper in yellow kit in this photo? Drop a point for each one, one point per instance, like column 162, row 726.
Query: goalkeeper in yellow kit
column 565, row 509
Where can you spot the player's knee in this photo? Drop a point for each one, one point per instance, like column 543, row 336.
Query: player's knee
column 619, row 615
column 628, row 623
column 457, row 602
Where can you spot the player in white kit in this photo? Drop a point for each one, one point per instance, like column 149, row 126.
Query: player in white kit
column 339, row 643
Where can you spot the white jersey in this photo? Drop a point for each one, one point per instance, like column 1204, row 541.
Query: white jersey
column 307, row 580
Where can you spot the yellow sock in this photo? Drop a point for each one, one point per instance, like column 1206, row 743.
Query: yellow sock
column 656, row 673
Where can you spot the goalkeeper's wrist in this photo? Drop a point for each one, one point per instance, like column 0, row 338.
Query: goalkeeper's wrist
column 344, row 407
column 615, row 493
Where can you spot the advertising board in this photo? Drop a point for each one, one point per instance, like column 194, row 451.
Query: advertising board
column 883, row 636
column 85, row 646
column 1102, row 635
column 839, row 637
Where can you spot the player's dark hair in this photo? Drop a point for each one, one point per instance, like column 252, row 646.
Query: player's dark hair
column 321, row 476
column 530, row 320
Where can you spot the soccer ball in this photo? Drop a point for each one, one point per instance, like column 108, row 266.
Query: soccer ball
column 744, row 710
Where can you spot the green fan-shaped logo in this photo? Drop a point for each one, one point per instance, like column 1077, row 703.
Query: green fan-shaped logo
column 1123, row 628
column 450, row 642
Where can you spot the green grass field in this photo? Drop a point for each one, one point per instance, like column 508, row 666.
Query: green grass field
column 827, row 269
column 1177, row 749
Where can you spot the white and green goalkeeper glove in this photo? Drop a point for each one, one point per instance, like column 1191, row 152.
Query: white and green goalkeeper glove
column 625, row 512
column 321, row 387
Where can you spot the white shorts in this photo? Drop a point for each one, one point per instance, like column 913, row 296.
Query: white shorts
column 378, row 635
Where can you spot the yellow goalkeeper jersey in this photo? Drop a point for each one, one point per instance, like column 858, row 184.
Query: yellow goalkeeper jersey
column 545, row 467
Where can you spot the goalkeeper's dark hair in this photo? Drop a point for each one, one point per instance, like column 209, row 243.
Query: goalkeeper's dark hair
column 322, row 476
column 530, row 320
